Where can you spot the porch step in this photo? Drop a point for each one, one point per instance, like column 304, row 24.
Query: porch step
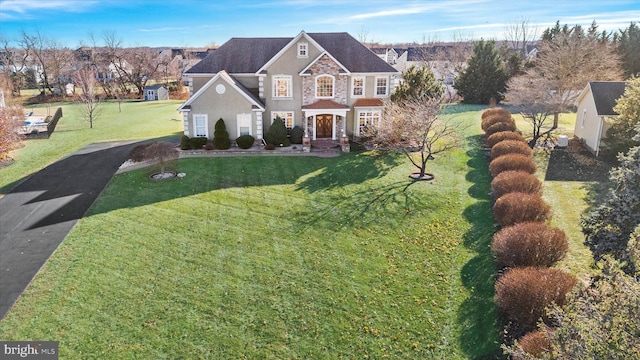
column 325, row 144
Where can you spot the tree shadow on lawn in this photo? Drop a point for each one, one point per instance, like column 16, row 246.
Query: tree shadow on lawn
column 478, row 315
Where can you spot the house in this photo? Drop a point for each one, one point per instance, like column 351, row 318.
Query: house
column 329, row 84
column 155, row 92
column 594, row 106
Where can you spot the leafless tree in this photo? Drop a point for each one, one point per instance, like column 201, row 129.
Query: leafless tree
column 519, row 35
column 36, row 46
column 162, row 151
column 417, row 129
column 89, row 100
column 536, row 104
column 11, row 118
column 14, row 63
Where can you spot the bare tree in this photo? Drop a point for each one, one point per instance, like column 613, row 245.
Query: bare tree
column 416, row 128
column 162, row 151
column 35, row 45
column 536, row 104
column 14, row 66
column 89, row 100
column 11, row 118
column 519, row 35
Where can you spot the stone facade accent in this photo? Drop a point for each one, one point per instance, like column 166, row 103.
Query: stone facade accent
column 324, row 66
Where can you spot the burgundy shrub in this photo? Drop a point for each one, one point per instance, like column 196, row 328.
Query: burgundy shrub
column 514, row 208
column 534, row 343
column 488, row 121
column 510, row 147
column 504, row 135
column 495, row 111
column 522, row 294
column 529, row 244
column 515, row 181
column 512, row 162
column 500, row 126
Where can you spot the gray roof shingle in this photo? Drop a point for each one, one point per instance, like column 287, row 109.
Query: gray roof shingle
column 247, row 55
column 605, row 94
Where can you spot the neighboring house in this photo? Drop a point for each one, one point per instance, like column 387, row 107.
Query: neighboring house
column 594, row 106
column 155, row 92
column 327, row 83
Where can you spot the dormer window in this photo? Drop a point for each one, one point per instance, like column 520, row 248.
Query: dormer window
column 324, row 86
column 303, row 50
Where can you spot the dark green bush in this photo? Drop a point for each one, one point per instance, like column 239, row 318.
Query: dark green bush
column 529, row 244
column 500, row 126
column 197, row 142
column 137, row 153
column 515, row 181
column 221, row 136
column 184, row 143
column 522, row 294
column 245, row 141
column 504, row 135
column 514, row 208
column 515, row 162
column 510, row 147
column 297, row 133
column 277, row 133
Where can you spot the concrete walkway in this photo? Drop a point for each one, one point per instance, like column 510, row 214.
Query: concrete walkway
column 39, row 213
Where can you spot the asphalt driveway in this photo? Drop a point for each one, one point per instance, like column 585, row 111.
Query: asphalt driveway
column 39, row 213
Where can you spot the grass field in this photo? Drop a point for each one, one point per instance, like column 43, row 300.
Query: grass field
column 137, row 120
column 274, row 257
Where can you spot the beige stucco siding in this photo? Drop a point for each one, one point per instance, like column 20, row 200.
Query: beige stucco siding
column 587, row 122
column 226, row 106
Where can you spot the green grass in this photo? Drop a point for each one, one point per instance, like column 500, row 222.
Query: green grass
column 138, row 120
column 277, row 257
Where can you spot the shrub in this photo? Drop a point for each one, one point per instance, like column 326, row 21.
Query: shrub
column 533, row 344
column 277, row 133
column 269, row 146
column 504, row 135
column 161, row 151
column 510, row 147
column 500, row 126
column 529, row 244
column 137, row 153
column 297, row 133
column 208, row 145
column 513, row 208
column 512, row 162
column 184, row 143
column 197, row 142
column 221, row 136
column 245, row 141
column 522, row 294
column 515, row 181
column 495, row 111
column 488, row 121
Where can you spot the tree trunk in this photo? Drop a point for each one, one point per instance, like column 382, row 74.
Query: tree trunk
column 556, row 117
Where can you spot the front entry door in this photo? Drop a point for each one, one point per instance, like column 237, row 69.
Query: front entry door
column 324, row 126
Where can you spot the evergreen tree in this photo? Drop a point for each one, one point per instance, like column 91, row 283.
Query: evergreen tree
column 419, row 83
column 629, row 49
column 485, row 77
column 619, row 137
column 277, row 134
column 221, row 138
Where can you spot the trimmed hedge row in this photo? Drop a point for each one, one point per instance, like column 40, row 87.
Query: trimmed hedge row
column 525, row 245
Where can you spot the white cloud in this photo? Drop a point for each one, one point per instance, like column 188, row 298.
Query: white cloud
column 27, row 6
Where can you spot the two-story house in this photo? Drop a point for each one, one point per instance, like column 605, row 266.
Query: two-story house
column 327, row 83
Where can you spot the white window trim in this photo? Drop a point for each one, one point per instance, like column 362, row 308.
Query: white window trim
column 306, row 50
column 238, row 123
column 333, row 86
column 274, row 114
column 386, row 89
column 274, row 89
column 206, row 125
column 364, row 86
column 365, row 110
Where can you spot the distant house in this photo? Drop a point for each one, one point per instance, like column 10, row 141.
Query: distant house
column 594, row 107
column 155, row 92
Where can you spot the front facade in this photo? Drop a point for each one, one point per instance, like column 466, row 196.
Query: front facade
column 327, row 83
column 156, row 92
column 594, row 106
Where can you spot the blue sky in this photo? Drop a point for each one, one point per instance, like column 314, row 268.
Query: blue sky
column 195, row 23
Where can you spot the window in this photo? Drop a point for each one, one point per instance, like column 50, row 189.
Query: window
column 200, row 125
column 324, row 86
column 282, row 86
column 366, row 118
column 286, row 116
column 303, row 50
column 357, row 86
column 584, row 119
column 381, row 86
column 244, row 124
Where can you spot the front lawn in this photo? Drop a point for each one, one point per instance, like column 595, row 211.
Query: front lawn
column 277, row 257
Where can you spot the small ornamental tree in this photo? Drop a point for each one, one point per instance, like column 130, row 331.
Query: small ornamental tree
column 277, row 134
column 221, row 138
column 11, row 118
column 162, row 151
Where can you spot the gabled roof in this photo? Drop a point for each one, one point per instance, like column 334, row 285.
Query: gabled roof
column 249, row 55
column 154, row 87
column 324, row 104
column 605, row 94
column 306, row 69
column 255, row 102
